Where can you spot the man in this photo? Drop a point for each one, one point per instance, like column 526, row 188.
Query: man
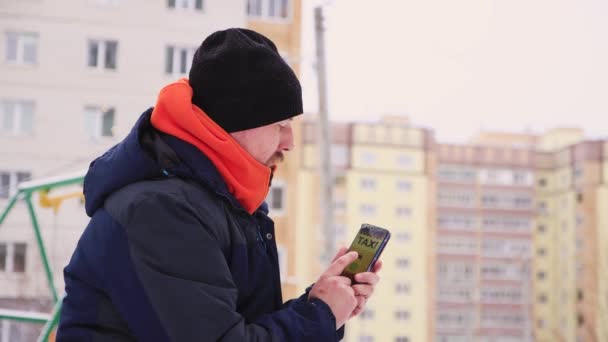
column 179, row 246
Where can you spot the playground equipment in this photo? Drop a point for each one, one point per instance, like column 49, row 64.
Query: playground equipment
column 24, row 193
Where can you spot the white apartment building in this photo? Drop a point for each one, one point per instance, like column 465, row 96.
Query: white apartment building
column 74, row 77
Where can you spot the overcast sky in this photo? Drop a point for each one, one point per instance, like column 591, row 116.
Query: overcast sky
column 458, row 66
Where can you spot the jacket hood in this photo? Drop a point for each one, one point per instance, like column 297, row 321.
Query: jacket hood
column 123, row 164
column 145, row 154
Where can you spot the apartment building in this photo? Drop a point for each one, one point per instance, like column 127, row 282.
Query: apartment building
column 570, row 240
column 280, row 20
column 74, row 77
column 382, row 175
column 485, row 214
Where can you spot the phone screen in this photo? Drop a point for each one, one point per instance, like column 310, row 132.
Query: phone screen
column 369, row 243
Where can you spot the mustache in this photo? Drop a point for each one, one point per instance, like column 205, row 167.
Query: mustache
column 278, row 156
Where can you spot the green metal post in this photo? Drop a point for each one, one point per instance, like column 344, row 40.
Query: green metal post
column 10, row 206
column 45, row 260
column 52, row 323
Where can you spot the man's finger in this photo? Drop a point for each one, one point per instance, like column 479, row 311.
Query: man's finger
column 340, row 264
column 340, row 253
column 342, row 280
column 367, row 278
column 362, row 290
column 377, row 266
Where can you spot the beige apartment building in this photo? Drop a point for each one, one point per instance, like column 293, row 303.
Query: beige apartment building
column 570, row 239
column 382, row 175
column 281, row 21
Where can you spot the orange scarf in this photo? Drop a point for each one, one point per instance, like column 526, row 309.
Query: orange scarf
column 247, row 179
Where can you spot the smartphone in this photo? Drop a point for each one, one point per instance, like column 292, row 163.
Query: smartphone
column 369, row 243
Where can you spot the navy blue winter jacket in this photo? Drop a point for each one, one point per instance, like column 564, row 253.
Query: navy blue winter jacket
column 170, row 255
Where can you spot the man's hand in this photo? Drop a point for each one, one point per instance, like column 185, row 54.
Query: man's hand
column 365, row 287
column 335, row 290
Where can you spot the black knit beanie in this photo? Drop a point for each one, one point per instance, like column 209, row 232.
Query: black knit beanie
column 241, row 81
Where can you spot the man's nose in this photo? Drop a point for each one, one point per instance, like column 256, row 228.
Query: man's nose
column 287, row 143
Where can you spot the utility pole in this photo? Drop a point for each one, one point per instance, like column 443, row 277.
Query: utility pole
column 326, row 186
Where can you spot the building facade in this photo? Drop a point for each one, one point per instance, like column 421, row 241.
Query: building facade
column 74, row 77
column 382, row 176
column 281, row 21
column 485, row 213
column 569, row 239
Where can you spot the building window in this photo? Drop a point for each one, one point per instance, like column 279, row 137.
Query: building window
column 404, row 161
column 102, row 54
column 579, row 197
column 99, row 122
column 340, row 153
column 367, row 314
column 19, row 257
column 402, row 315
column 457, row 174
column 542, row 208
column 404, row 186
column 3, row 255
column 368, row 183
column 501, row 295
column 522, row 178
column 503, row 271
column 506, row 223
column 581, row 320
column 368, row 158
column 21, row 48
column 340, row 232
column 254, row 8
column 506, row 247
column 12, row 257
column 339, row 180
column 456, row 198
column 367, row 210
column 541, row 228
column 186, row 4
column 16, row 117
column 578, row 172
column 456, row 222
column 276, row 198
column 272, row 9
column 366, row 338
column 403, row 236
column 9, row 180
column 453, row 272
column 403, row 212
column 403, row 263
column 457, row 245
column 579, row 220
column 542, row 182
column 339, row 206
column 540, row 323
column 541, row 275
column 454, row 294
column 501, row 319
column 454, row 319
column 541, row 251
column 579, row 295
column 402, row 339
column 542, row 298
column 402, row 288
column 178, row 60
